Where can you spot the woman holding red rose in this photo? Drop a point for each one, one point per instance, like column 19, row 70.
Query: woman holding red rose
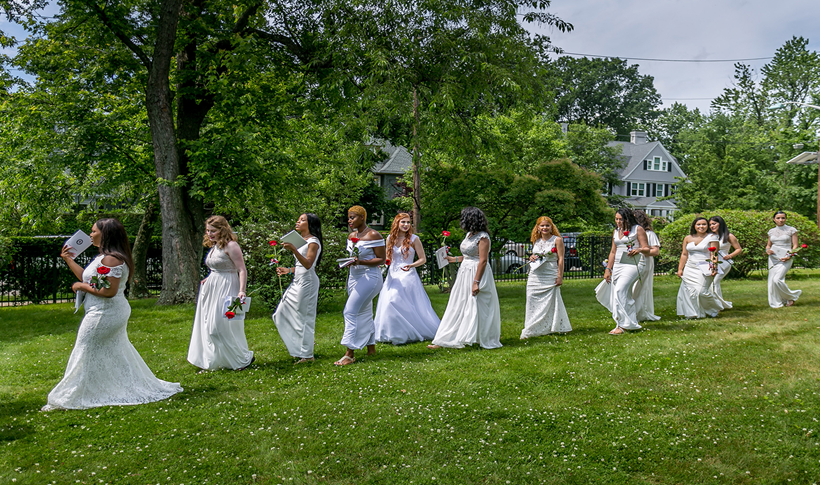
column 218, row 340
column 104, row 368
column 404, row 313
column 697, row 269
column 546, row 312
column 366, row 247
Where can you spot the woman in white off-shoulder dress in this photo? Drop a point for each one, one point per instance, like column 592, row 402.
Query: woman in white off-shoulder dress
column 104, row 368
column 726, row 257
column 782, row 240
column 364, row 282
column 545, row 311
column 218, row 342
column 622, row 270
column 404, row 313
column 295, row 317
column 643, row 290
column 473, row 314
column 695, row 296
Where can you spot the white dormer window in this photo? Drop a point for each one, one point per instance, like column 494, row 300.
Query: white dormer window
column 657, row 165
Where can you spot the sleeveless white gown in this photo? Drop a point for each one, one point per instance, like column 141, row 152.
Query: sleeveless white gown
column 104, row 368
column 404, row 313
column 471, row 319
column 617, row 295
column 295, row 317
column 545, row 312
column 726, row 266
column 779, row 292
column 642, row 292
column 363, row 284
column 695, row 297
column 217, row 342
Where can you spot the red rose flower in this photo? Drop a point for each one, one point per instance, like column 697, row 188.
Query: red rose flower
column 445, row 233
column 272, row 243
column 387, row 262
column 554, row 250
column 804, row 246
column 626, row 233
column 712, row 249
column 354, row 240
column 230, row 314
column 103, row 270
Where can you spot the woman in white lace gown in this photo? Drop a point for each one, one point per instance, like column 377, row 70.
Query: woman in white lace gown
column 782, row 240
column 545, row 312
column 404, row 313
column 218, row 342
column 295, row 317
column 364, row 282
column 643, row 289
column 473, row 314
column 726, row 257
column 696, row 271
column 104, row 368
column 622, row 270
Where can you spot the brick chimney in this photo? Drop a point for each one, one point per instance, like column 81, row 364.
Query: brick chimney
column 637, row 137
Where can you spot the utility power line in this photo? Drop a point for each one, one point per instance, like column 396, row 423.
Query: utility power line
column 669, row 60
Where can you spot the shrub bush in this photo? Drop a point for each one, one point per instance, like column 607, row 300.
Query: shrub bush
column 750, row 228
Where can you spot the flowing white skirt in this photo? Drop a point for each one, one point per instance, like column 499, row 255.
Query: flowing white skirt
column 104, row 368
column 363, row 284
column 617, row 296
column 695, row 297
column 216, row 342
column 295, row 317
column 726, row 267
column 404, row 313
column 546, row 312
column 642, row 292
column 471, row 319
column 779, row 292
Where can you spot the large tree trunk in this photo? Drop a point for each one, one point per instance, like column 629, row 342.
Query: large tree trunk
column 180, row 261
column 139, row 282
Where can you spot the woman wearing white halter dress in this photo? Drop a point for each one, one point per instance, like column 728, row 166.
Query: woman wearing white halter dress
column 404, row 313
column 473, row 314
column 366, row 246
column 642, row 291
column 695, row 297
column 218, row 342
column 615, row 292
column 295, row 317
column 104, row 368
column 782, row 239
column 546, row 312
column 727, row 241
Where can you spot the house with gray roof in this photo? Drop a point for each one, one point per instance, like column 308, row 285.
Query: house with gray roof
column 388, row 174
column 648, row 175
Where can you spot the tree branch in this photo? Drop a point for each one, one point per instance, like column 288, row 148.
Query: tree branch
column 137, row 50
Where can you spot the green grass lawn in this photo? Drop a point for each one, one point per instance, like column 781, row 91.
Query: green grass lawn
column 726, row 400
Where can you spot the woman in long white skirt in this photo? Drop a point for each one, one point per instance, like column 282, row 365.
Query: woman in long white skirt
column 725, row 257
column 643, row 289
column 622, row 270
column 104, row 369
column 473, row 314
column 218, row 342
column 545, row 312
column 782, row 241
column 295, row 316
column 404, row 313
column 697, row 269
column 366, row 247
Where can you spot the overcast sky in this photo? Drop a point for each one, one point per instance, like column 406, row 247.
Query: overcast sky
column 685, row 29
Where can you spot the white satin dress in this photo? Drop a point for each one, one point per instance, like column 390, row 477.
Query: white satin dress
column 216, row 341
column 471, row 319
column 725, row 266
column 545, row 312
column 363, row 284
column 295, row 317
column 404, row 313
column 104, row 369
column 779, row 292
column 642, row 291
column 617, row 295
column 695, row 297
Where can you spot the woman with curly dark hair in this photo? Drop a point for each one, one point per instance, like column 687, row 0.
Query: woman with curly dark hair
column 472, row 314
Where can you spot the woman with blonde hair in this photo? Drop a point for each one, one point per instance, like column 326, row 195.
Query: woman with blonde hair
column 546, row 312
column 366, row 246
column 404, row 313
column 218, row 342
